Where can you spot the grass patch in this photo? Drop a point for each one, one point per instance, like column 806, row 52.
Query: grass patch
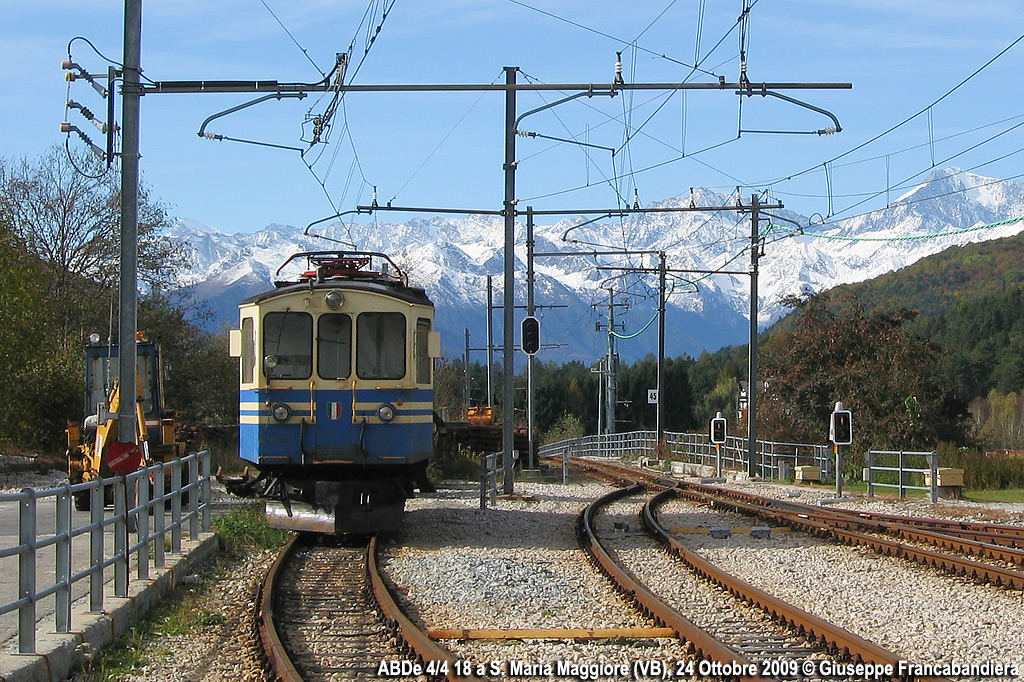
column 178, row 615
column 1007, row 495
column 245, row 527
column 464, row 465
column 185, row 611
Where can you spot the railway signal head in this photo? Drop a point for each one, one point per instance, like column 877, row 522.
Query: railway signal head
column 718, row 429
column 531, row 335
column 840, row 429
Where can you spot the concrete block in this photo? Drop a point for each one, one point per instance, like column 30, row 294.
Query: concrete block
column 761, row 532
column 720, row 532
column 93, row 628
column 24, row 668
column 808, row 473
column 948, row 477
column 62, row 651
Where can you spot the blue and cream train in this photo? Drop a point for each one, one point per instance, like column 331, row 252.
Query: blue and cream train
column 336, row 393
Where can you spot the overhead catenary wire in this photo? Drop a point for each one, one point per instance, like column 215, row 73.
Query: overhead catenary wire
column 905, row 121
column 614, row 38
column 304, row 51
column 887, row 158
column 944, row 161
column 907, row 202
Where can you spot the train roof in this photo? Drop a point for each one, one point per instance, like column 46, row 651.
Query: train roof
column 347, row 270
column 396, row 290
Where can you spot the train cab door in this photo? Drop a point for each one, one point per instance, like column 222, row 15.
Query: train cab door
column 333, row 436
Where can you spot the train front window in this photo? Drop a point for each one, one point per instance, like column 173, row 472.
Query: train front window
column 423, row 360
column 288, row 345
column 380, row 346
column 334, row 346
column 248, row 350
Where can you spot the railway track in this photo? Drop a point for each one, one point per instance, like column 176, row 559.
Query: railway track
column 963, row 549
column 326, row 613
column 751, row 632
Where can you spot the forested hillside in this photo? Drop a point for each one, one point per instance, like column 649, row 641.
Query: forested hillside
column 970, row 301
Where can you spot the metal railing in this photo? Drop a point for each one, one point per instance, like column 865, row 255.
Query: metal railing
column 491, row 472
column 902, row 471
column 139, row 524
column 774, row 460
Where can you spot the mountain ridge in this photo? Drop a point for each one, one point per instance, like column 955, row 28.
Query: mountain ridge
column 451, row 257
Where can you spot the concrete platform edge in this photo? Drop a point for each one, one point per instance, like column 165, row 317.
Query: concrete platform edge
column 60, row 654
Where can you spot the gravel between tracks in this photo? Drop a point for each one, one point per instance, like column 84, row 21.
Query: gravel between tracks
column 515, row 566
column 519, row 566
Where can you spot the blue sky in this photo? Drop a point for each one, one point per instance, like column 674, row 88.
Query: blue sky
column 446, row 150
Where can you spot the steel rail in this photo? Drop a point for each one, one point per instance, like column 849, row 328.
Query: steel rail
column 419, row 641
column 704, row 644
column 815, row 520
column 994, row 533
column 957, row 565
column 942, row 539
column 795, row 618
column 278, row 660
column 934, row 534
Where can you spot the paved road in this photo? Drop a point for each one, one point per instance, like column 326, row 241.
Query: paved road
column 46, row 566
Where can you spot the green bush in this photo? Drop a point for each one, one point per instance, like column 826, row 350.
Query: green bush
column 984, row 470
column 568, row 426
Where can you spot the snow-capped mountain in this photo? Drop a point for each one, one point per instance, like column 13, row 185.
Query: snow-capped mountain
column 451, row 258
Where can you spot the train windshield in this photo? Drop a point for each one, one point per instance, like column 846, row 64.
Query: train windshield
column 334, row 346
column 423, row 360
column 380, row 346
column 288, row 345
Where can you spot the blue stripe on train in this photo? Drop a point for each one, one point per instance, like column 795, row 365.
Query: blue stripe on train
column 338, row 439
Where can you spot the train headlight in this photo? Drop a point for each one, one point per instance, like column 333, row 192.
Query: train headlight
column 387, row 413
column 280, row 412
column 270, row 361
column 334, row 299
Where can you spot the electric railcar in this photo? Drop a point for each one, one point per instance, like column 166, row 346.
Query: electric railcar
column 336, row 393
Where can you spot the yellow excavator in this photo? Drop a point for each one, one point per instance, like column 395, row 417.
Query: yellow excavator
column 94, row 450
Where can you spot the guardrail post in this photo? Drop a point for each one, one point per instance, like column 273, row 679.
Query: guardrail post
column 176, row 506
column 193, row 497
column 142, row 524
column 933, row 462
column 494, row 486
column 903, row 491
column 120, row 537
column 205, row 460
column 27, row 573
column 871, row 473
column 484, row 463
column 62, row 569
column 159, row 497
column 96, row 546
column 565, row 465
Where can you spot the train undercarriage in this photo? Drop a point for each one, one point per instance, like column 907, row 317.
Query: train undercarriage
column 346, row 500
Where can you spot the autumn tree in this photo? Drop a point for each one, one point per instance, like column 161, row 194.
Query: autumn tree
column 36, row 371
column 868, row 360
column 59, row 251
column 65, row 209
